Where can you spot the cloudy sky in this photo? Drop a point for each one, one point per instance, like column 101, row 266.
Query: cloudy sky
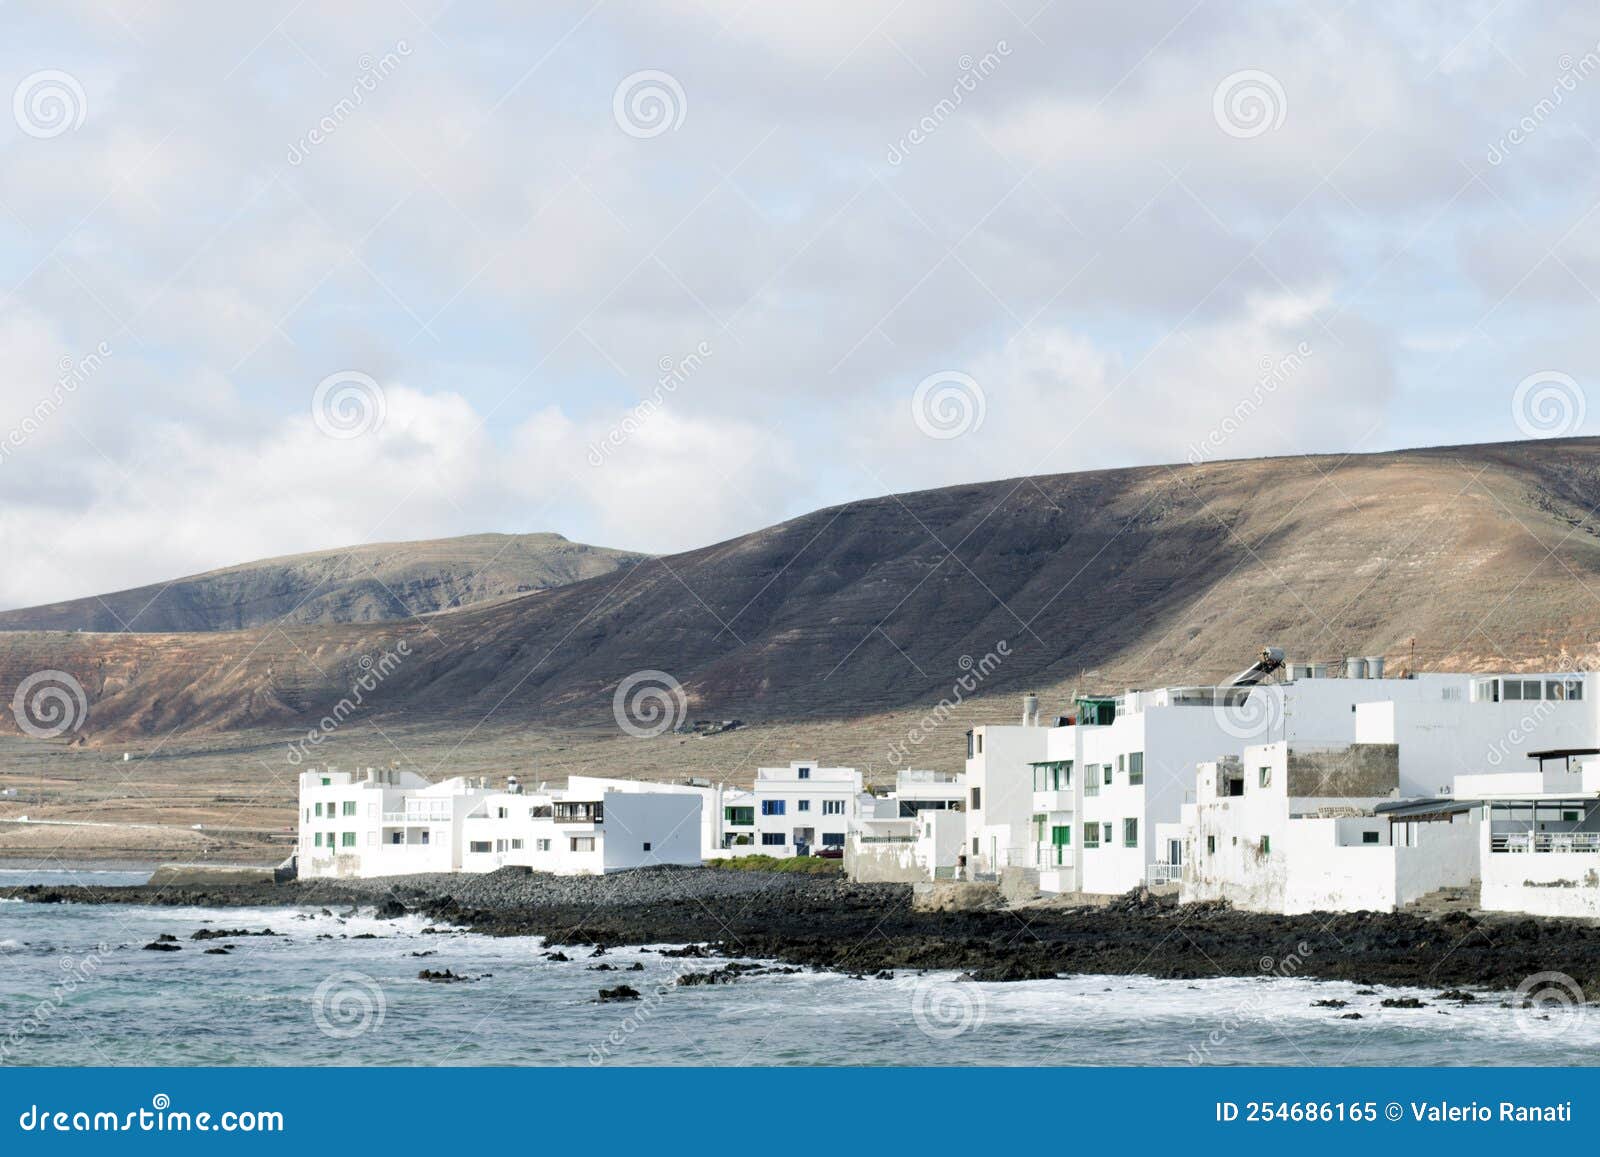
column 288, row 276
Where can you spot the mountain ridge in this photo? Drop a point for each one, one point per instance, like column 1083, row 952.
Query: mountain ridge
column 366, row 583
column 1486, row 556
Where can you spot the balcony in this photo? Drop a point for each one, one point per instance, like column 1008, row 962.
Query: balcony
column 1546, row 842
column 1053, row 801
column 579, row 813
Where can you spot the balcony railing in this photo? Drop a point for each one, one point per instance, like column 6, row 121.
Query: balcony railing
column 418, row 815
column 1160, row 873
column 1546, row 842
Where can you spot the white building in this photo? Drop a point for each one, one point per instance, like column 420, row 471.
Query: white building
column 387, row 823
column 914, row 833
column 1095, row 802
column 1289, row 828
column 382, row 822
column 1539, row 843
column 727, row 814
column 803, row 807
column 582, row 832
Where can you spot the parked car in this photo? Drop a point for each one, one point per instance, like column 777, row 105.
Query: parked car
column 830, row 853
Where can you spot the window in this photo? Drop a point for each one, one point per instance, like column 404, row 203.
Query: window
column 582, row 843
column 479, row 846
column 740, row 816
column 316, row 840
column 1486, row 691
column 977, row 799
column 1512, row 689
column 1130, row 833
column 1370, row 837
column 1211, row 845
column 1091, row 779
column 349, row 808
column 541, row 845
column 974, row 845
column 647, row 845
column 1061, row 835
column 397, row 838
column 1266, row 845
column 833, row 807
column 1105, row 834
column 1136, row 767
column 803, row 805
column 326, row 782
column 1265, row 775
column 499, row 845
column 501, row 813
column 772, row 807
column 1574, row 689
column 1570, row 817
column 516, row 845
column 1105, row 769
column 969, row 745
column 980, row 743
column 833, row 839
column 805, row 773
column 773, row 839
column 1091, row 835
column 426, row 833
column 319, row 809
column 1122, row 764
column 347, row 840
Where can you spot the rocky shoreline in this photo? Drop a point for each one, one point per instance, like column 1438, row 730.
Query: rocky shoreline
column 869, row 929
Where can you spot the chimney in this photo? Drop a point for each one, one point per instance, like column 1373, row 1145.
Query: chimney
column 1030, row 710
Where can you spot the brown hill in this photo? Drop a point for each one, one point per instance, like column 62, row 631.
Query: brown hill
column 1485, row 555
column 390, row 580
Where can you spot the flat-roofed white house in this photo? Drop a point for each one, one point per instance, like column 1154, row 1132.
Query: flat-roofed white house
column 1292, row 828
column 727, row 814
column 916, row 832
column 382, row 822
column 581, row 831
column 804, row 807
column 1539, row 845
column 1095, row 802
column 388, row 823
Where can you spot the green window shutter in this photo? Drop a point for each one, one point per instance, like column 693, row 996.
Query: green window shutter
column 1061, row 835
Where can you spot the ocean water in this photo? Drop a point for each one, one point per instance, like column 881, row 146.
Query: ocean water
column 77, row 987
